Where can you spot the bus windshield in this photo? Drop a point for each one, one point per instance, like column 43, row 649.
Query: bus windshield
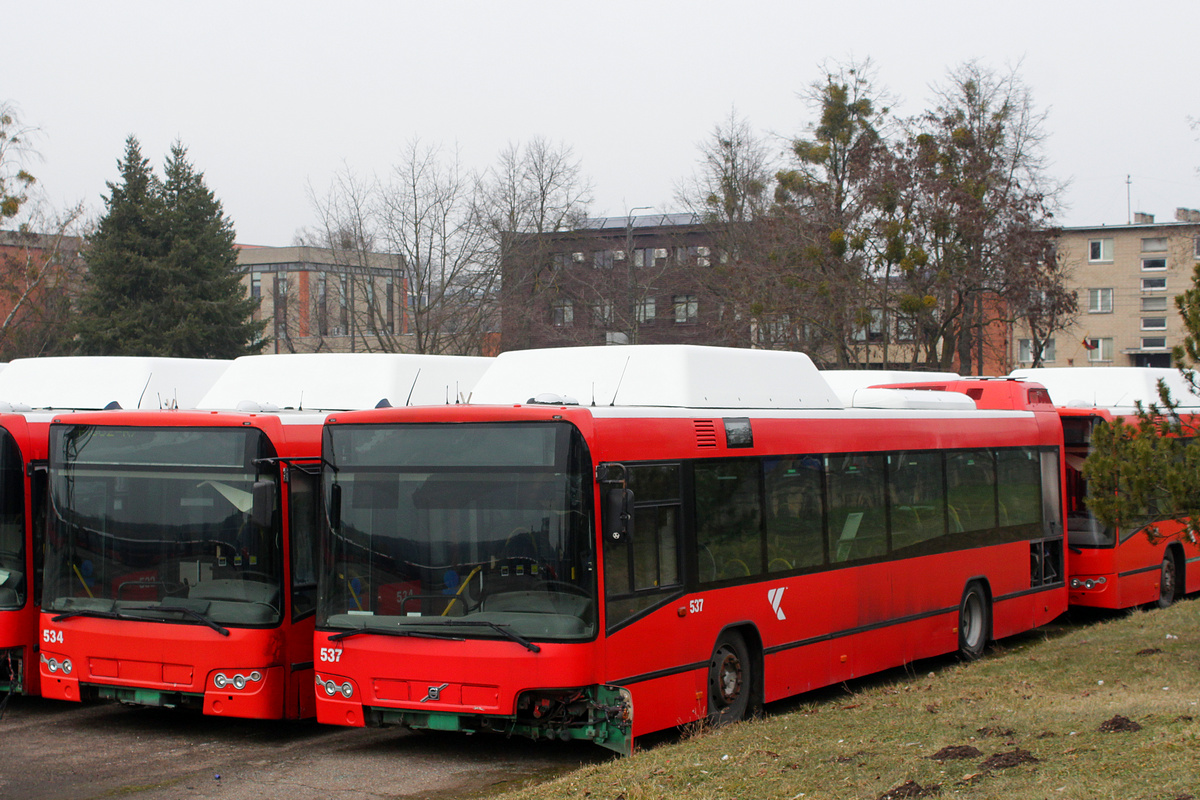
column 458, row 530
column 12, row 524
column 160, row 524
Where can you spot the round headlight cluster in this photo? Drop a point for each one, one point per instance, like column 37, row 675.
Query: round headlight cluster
column 54, row 665
column 1087, row 583
column 332, row 688
column 238, row 681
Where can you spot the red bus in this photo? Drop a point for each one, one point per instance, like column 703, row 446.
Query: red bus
column 29, row 388
column 669, row 533
column 1107, row 567
column 180, row 558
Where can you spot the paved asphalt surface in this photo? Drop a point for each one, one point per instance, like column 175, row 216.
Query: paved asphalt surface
column 51, row 750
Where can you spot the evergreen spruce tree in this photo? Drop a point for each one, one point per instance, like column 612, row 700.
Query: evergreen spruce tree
column 212, row 313
column 162, row 269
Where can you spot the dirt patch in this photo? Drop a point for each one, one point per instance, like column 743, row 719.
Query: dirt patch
column 911, row 789
column 956, row 751
column 1003, row 733
column 1149, row 651
column 1119, row 724
column 1011, row 759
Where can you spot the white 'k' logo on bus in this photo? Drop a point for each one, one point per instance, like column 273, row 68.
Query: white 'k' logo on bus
column 776, row 598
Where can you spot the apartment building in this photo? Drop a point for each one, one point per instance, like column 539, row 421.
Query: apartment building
column 1126, row 278
column 616, row 280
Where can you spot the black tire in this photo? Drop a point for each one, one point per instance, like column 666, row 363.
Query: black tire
column 729, row 680
column 1168, row 581
column 974, row 622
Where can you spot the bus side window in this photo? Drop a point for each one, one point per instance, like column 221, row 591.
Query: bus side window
column 857, row 512
column 795, row 513
column 640, row 567
column 916, row 482
column 971, row 482
column 729, row 532
column 1020, row 478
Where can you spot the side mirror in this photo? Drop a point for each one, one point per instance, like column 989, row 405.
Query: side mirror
column 618, row 513
column 263, row 509
column 335, row 506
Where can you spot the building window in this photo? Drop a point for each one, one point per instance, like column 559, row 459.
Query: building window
column 562, row 314
column 602, row 314
column 1196, row 245
column 1100, row 250
column 256, row 285
column 1154, row 323
column 1154, row 284
column 559, row 261
column 906, row 328
column 1152, row 264
column 1025, row 351
column 602, row 259
column 687, row 309
column 646, row 311
column 1154, row 343
column 1157, row 244
column 1154, row 304
column 1100, row 301
column 1099, row 349
column 872, row 331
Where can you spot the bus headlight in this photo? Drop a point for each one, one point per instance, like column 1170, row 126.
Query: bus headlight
column 332, row 688
column 54, row 665
column 238, row 681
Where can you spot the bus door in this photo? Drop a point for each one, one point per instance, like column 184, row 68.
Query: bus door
column 303, row 482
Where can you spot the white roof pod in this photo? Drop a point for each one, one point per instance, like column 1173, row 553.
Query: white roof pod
column 95, row 382
column 1117, row 389
column 677, row 376
column 847, row 382
column 343, row 381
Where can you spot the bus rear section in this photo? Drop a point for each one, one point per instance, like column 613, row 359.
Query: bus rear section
column 180, row 561
column 604, row 571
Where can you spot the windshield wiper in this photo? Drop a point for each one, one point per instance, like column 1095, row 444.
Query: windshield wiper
column 337, row 637
column 500, row 629
column 140, row 617
column 196, row 615
column 88, row 612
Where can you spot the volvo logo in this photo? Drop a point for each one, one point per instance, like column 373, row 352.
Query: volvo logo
column 434, row 693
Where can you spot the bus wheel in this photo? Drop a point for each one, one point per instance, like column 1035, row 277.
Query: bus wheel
column 729, row 680
column 974, row 622
column 1168, row 584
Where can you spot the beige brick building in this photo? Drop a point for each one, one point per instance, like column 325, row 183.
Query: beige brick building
column 318, row 300
column 1126, row 278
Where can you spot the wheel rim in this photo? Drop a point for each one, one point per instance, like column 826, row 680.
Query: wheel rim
column 971, row 623
column 727, row 677
column 1167, row 582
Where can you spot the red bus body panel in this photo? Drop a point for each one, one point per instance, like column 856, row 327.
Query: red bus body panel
column 1127, row 573
column 828, row 625
column 19, row 637
column 174, row 657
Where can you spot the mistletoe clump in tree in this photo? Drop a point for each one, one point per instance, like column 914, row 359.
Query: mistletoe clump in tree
column 163, row 278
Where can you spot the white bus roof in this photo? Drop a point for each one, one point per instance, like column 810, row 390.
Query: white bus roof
column 343, row 381
column 95, row 382
column 683, row 376
column 848, row 382
column 1117, row 389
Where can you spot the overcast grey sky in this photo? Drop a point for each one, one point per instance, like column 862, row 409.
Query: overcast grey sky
column 272, row 96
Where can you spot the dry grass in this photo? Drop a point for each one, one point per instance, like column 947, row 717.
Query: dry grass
column 1033, row 708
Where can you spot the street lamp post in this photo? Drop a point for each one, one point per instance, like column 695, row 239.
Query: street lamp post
column 632, row 336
